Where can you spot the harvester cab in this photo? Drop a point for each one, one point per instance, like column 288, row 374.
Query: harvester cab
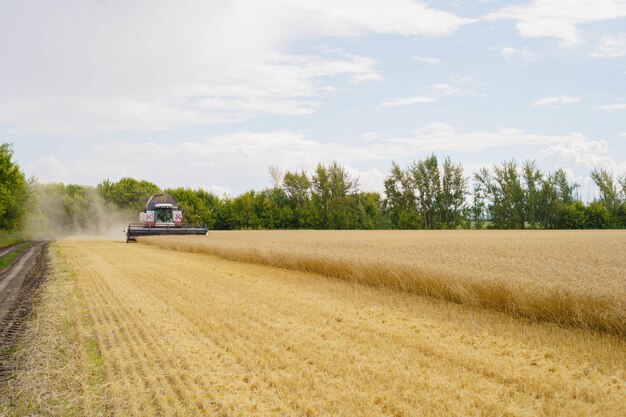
column 161, row 216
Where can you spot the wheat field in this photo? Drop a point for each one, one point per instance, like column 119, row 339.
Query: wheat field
column 569, row 277
column 135, row 330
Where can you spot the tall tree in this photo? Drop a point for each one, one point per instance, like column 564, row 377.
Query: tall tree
column 370, row 210
column 532, row 179
column 332, row 187
column 504, row 195
column 609, row 194
column 622, row 182
column 478, row 206
column 127, row 193
column 486, row 197
column 321, row 194
column 297, row 187
column 566, row 190
column 276, row 210
column 198, row 206
column 451, row 200
column 427, row 182
column 612, row 195
column 400, row 205
column 513, row 194
column 548, row 202
column 13, row 190
column 276, row 176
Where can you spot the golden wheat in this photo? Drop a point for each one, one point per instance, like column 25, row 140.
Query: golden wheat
column 568, row 277
column 188, row 334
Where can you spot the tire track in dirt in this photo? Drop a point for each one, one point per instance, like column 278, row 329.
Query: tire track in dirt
column 18, row 286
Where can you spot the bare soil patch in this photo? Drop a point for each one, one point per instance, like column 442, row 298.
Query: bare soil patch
column 18, row 288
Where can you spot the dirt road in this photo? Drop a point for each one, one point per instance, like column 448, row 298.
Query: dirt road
column 17, row 285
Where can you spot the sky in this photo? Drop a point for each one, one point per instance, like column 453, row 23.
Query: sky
column 211, row 93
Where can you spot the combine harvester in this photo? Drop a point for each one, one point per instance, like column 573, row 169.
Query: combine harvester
column 161, row 216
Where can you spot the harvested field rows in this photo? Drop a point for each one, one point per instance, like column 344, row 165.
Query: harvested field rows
column 184, row 334
column 570, row 277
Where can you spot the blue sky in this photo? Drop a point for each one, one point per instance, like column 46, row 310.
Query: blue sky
column 210, row 94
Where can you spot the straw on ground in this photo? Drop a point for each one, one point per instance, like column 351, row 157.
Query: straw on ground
column 173, row 333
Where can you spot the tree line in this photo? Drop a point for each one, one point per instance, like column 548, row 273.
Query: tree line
column 426, row 194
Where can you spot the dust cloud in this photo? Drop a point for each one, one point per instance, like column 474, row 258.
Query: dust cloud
column 57, row 210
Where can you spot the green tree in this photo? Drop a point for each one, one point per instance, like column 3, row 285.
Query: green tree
column 276, row 209
column 297, row 187
column 622, row 183
column 128, row 193
column 504, row 195
column 609, row 193
column 427, row 182
column 492, row 196
column 370, row 208
column 321, row 194
column 332, row 188
column 556, row 199
column 426, row 195
column 598, row 216
column 607, row 186
column 532, row 179
column 480, row 195
column 452, row 198
column 566, row 190
column 13, row 190
column 572, row 216
column 399, row 205
column 198, row 206
column 244, row 212
column 619, row 218
column 548, row 203
column 508, row 177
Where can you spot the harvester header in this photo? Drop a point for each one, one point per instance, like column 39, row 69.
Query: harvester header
column 161, row 216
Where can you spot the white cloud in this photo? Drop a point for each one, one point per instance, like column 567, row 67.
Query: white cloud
column 372, row 136
column 445, row 89
column 460, row 79
column 587, row 153
column 427, row 59
column 611, row 47
column 407, row 101
column 611, row 107
column 234, row 162
column 238, row 161
column 101, row 66
column 369, row 180
column 520, row 56
column 440, row 89
column 622, row 135
column 443, row 137
column 559, row 18
column 555, row 101
column 578, row 158
column 282, row 84
column 343, row 18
